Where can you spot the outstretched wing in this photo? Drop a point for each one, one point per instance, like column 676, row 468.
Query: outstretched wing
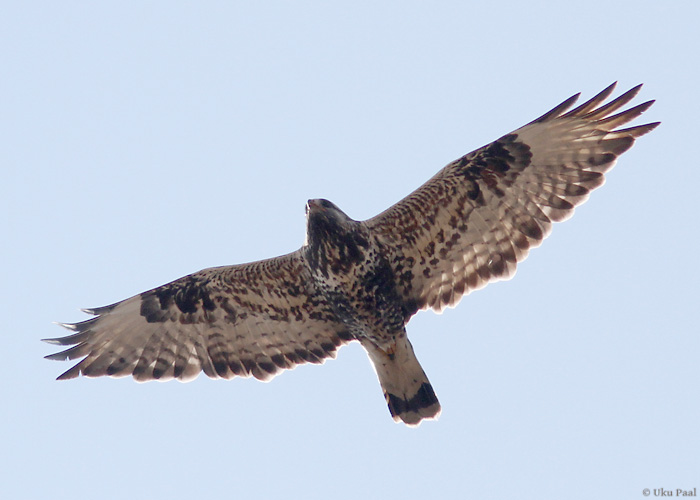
column 252, row 319
column 479, row 216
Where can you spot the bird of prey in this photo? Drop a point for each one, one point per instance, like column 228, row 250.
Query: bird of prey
column 363, row 280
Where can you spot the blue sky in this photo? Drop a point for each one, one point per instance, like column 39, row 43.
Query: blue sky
column 142, row 141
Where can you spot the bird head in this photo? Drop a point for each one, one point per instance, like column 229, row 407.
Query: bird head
column 324, row 219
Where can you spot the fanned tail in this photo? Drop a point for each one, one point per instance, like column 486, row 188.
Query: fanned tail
column 408, row 392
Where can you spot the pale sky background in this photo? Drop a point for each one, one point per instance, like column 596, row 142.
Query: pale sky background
column 142, row 141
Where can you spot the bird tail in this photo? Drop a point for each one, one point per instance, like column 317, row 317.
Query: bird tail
column 406, row 388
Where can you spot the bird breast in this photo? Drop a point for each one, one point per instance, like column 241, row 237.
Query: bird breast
column 350, row 271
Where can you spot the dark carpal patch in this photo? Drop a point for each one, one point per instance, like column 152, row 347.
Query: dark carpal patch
column 494, row 167
column 188, row 294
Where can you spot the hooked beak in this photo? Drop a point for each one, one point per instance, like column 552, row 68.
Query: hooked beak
column 313, row 204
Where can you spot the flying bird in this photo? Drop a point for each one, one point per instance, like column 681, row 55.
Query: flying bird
column 363, row 280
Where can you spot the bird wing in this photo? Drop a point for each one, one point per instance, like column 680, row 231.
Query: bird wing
column 251, row 319
column 479, row 216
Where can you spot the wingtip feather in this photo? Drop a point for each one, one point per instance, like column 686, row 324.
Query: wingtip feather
column 593, row 102
column 68, row 326
column 54, row 341
column 558, row 110
column 70, row 374
column 639, row 130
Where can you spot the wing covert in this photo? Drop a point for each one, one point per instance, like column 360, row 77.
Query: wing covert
column 252, row 319
column 481, row 214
